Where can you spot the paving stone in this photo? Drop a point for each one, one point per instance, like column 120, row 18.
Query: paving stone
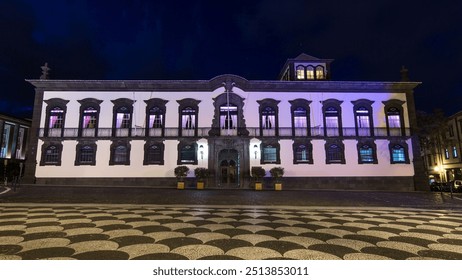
column 357, row 245
column 243, row 232
column 253, row 253
column 307, row 254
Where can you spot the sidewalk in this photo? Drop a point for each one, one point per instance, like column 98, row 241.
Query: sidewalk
column 169, row 196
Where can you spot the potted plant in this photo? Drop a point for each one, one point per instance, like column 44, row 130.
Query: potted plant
column 277, row 173
column 201, row 173
column 180, row 173
column 258, row 173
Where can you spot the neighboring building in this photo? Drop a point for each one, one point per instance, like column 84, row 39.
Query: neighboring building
column 326, row 134
column 13, row 147
column 442, row 155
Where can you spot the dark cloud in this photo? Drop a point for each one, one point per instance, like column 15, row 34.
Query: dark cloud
column 142, row 39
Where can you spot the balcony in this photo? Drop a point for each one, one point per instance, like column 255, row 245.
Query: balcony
column 203, row 132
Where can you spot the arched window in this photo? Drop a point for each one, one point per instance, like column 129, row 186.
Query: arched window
column 187, row 154
column 270, row 153
column 228, row 117
column 366, row 154
column 303, row 153
column 123, row 118
column 51, row 154
column 300, row 118
column 188, row 118
column 156, row 117
column 335, row 152
column 120, row 153
column 269, row 122
column 85, row 154
column 331, row 117
column 300, row 111
column 394, row 117
column 394, row 120
column 363, row 120
column 320, row 73
column 300, row 72
column 310, row 73
column 55, row 117
column 332, row 112
column 399, row 153
column 154, row 154
column 123, row 109
column 268, row 115
column 89, row 115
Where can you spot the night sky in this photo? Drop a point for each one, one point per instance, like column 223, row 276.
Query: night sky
column 140, row 39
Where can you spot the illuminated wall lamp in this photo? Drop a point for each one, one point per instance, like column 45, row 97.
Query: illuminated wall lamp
column 201, row 150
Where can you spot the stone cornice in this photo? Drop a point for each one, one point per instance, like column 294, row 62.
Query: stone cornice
column 212, row 84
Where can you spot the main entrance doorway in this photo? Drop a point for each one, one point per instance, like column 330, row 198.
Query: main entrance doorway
column 228, row 166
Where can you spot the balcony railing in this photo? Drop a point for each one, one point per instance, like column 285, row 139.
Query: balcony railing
column 203, row 132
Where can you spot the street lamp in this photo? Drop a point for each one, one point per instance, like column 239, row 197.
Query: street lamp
column 255, row 148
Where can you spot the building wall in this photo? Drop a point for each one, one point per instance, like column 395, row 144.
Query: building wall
column 136, row 169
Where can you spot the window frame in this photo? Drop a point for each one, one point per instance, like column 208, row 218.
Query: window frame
column 78, row 153
column 300, row 72
column 270, row 144
column 309, row 152
column 45, row 147
column 329, row 145
column 147, row 160
column 323, row 71
column 264, row 105
column 390, row 105
column 51, row 105
column 84, row 105
column 194, row 105
column 181, row 146
column 405, row 148
column 305, row 104
column 367, row 105
column 371, row 144
column 114, row 146
column 122, row 106
column 150, row 105
column 336, row 104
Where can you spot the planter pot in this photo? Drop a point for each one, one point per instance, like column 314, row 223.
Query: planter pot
column 180, row 185
column 258, row 186
column 278, row 186
column 200, row 185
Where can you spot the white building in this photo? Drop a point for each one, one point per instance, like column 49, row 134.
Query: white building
column 326, row 134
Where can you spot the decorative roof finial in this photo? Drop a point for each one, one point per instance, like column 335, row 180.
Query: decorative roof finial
column 404, row 74
column 229, row 84
column 45, row 72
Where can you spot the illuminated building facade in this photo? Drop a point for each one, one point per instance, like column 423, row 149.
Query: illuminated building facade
column 324, row 133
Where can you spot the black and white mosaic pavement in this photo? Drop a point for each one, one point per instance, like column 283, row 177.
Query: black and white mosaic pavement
column 51, row 231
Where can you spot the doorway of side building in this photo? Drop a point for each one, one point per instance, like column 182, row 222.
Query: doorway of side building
column 228, row 168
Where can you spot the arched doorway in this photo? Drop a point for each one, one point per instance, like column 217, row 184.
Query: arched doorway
column 228, row 166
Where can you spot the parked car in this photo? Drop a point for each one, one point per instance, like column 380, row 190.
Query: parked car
column 456, row 185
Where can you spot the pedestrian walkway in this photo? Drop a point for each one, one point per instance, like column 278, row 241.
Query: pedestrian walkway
column 127, row 231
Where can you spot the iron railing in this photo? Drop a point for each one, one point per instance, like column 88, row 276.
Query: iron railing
column 204, row 132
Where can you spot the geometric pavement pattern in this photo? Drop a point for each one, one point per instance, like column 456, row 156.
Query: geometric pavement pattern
column 113, row 232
